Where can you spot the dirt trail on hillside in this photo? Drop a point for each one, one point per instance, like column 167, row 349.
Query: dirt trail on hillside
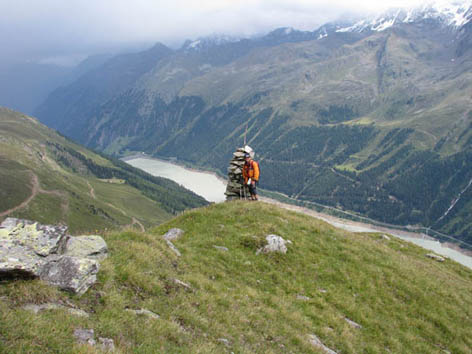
column 91, row 191
column 137, row 222
column 35, row 189
column 134, row 221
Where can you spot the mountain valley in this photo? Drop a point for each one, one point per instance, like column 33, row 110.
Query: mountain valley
column 372, row 118
column 47, row 178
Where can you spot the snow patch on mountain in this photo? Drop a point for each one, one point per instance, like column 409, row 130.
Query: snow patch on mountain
column 455, row 14
column 207, row 42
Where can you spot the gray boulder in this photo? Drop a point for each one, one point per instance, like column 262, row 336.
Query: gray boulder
column 274, row 244
column 93, row 247
column 41, row 239
column 72, row 274
column 173, row 234
column 32, row 250
column 15, row 262
column 85, row 336
column 435, row 257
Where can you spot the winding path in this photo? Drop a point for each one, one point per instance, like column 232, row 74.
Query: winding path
column 35, row 189
column 137, row 222
column 92, row 191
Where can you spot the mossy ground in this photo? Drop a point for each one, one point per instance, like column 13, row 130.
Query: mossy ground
column 405, row 302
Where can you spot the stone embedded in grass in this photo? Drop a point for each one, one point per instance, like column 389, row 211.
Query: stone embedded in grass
column 145, row 312
column 173, row 248
column 316, row 342
column 107, row 345
column 303, row 297
column 274, row 244
column 224, row 341
column 181, row 283
column 85, row 336
column 221, row 248
column 51, row 306
column 352, row 323
column 435, row 257
column 173, row 234
column 386, row 237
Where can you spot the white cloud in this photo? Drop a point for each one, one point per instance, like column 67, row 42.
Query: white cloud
column 57, row 27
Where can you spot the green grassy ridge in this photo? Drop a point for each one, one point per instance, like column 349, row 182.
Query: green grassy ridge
column 404, row 301
column 72, row 185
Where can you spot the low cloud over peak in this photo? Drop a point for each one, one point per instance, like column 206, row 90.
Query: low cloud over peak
column 54, row 28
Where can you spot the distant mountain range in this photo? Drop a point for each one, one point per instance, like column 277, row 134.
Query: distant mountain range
column 370, row 115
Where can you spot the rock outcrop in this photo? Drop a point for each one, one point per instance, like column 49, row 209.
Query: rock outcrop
column 171, row 235
column 93, row 247
column 274, row 244
column 435, row 257
column 32, row 250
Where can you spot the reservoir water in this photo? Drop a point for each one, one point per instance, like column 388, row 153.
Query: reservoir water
column 206, row 184
column 212, row 188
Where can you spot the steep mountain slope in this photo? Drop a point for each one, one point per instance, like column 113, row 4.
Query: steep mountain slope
column 374, row 118
column 228, row 299
column 47, row 178
column 25, row 85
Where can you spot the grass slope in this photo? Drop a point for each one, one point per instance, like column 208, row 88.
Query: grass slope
column 47, row 178
column 405, row 302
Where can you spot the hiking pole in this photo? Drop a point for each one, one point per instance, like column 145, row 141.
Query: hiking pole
column 245, row 134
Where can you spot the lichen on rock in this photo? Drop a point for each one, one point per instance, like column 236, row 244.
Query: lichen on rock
column 31, row 250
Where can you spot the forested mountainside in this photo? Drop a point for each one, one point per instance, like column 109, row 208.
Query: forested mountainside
column 47, row 178
column 372, row 117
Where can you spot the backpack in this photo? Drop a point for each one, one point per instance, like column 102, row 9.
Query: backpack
column 259, row 166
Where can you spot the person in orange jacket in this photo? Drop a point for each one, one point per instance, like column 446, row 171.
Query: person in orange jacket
column 251, row 175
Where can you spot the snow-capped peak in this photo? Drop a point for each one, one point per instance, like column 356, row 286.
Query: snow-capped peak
column 207, row 42
column 450, row 13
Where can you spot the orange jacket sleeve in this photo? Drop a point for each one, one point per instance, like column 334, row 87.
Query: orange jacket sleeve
column 256, row 171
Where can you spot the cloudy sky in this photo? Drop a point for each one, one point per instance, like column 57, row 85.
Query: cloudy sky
column 59, row 30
